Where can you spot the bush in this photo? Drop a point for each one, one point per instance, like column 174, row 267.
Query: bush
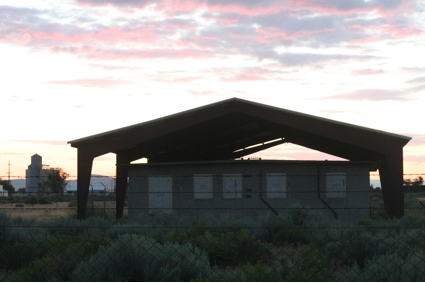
column 392, row 268
column 312, row 264
column 16, row 255
column 360, row 247
column 229, row 249
column 233, row 248
column 298, row 214
column 290, row 234
column 31, row 200
column 42, row 199
column 258, row 272
column 93, row 212
column 61, row 258
column 19, row 205
column 138, row 258
column 413, row 220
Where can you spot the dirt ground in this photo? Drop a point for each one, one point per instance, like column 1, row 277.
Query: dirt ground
column 45, row 212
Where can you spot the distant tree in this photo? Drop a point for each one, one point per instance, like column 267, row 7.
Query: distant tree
column 55, row 182
column 415, row 182
column 7, row 186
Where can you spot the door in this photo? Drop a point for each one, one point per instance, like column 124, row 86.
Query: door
column 160, row 197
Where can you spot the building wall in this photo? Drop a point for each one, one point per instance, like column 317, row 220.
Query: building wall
column 295, row 182
column 3, row 193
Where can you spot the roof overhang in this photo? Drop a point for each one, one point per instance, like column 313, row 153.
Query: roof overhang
column 235, row 127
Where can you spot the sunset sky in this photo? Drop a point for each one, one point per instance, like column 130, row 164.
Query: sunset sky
column 75, row 68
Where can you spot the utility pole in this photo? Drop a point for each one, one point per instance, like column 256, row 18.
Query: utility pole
column 8, row 173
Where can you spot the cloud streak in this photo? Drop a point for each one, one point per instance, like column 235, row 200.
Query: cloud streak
column 10, row 153
column 51, row 142
column 92, row 83
column 401, row 95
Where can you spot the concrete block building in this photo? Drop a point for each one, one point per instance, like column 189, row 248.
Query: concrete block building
column 193, row 156
column 339, row 189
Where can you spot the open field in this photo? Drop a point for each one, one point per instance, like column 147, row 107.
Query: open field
column 46, row 212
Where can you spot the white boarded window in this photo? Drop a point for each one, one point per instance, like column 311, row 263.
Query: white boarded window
column 232, row 186
column 335, row 185
column 160, row 196
column 203, row 186
column 276, row 185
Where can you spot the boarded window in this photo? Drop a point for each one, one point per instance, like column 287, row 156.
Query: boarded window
column 160, row 197
column 276, row 185
column 335, row 185
column 203, row 186
column 232, row 186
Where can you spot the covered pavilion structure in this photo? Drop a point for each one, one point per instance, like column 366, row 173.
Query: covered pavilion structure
column 234, row 128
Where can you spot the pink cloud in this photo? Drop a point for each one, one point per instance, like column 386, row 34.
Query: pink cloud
column 363, row 40
column 230, row 75
column 401, row 30
column 173, row 79
column 200, row 93
column 58, row 37
column 367, row 72
column 10, row 153
column 96, row 83
column 44, row 142
column 112, row 67
column 384, row 8
column 19, row 38
column 313, row 155
column 79, row 106
column 416, row 159
column 90, row 52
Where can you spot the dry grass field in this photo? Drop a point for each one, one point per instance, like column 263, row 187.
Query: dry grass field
column 46, row 212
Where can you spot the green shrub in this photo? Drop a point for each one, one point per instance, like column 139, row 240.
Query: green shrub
column 61, row 258
column 138, row 258
column 230, row 249
column 15, row 255
column 298, row 214
column 359, row 248
column 42, row 199
column 233, row 248
column 311, row 264
column 32, row 199
column 19, row 205
column 74, row 227
column 413, row 220
column 97, row 211
column 391, row 268
column 258, row 272
column 290, row 234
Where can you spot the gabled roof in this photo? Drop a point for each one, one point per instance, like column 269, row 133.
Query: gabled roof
column 235, row 127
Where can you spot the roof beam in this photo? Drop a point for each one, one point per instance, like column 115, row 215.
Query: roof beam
column 252, row 150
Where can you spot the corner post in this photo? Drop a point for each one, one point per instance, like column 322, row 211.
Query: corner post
column 121, row 183
column 84, row 167
column 391, row 175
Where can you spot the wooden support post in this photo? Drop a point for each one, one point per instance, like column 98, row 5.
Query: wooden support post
column 121, row 183
column 84, row 167
column 391, row 175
